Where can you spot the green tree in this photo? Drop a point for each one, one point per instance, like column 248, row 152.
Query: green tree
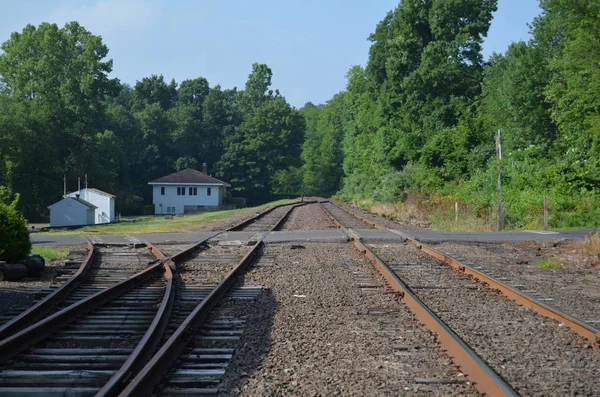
column 53, row 82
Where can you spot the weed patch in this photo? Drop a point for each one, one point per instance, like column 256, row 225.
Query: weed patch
column 551, row 264
column 51, row 253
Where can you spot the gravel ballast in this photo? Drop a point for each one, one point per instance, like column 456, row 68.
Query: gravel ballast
column 536, row 355
column 345, row 218
column 308, row 217
column 325, row 327
column 573, row 290
column 17, row 296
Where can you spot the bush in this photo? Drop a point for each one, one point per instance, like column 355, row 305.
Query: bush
column 14, row 237
column 148, row 209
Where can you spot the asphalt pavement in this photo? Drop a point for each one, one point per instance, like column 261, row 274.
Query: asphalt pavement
column 368, row 235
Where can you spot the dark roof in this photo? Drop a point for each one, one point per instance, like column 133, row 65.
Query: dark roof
column 79, row 200
column 189, row 176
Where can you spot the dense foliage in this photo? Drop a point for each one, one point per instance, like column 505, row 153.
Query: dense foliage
column 419, row 117
column 422, row 114
column 14, row 237
column 60, row 114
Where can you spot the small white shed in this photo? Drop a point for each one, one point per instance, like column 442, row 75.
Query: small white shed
column 104, row 202
column 72, row 211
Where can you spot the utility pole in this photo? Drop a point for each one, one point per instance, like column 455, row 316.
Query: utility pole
column 499, row 181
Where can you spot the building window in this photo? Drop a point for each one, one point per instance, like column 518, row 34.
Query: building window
column 162, row 191
column 181, row 191
column 168, row 210
column 208, row 191
column 195, row 191
column 173, row 210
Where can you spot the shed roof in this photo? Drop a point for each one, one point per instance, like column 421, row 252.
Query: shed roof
column 77, row 199
column 91, row 189
column 100, row 192
column 188, row 176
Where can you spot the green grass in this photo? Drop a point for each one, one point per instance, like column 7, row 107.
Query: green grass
column 51, row 253
column 160, row 224
column 551, row 264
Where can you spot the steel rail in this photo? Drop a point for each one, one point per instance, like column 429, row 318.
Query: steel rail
column 51, row 300
column 285, row 216
column 257, row 216
column 484, row 379
column 151, row 374
column 149, row 343
column 144, row 350
column 154, row 370
column 21, row 340
column 579, row 327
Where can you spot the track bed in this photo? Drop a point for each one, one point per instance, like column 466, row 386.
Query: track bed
column 326, row 326
column 536, row 355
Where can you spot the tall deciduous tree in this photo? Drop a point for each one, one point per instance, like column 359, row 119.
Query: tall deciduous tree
column 53, row 83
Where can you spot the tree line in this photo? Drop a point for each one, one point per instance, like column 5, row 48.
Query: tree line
column 422, row 114
column 62, row 115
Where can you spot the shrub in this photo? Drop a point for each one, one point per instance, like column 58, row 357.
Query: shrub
column 148, row 209
column 14, row 237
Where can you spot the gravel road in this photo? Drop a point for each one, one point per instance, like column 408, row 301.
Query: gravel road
column 325, row 327
column 536, row 355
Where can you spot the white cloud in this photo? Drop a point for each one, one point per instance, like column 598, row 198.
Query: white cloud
column 107, row 17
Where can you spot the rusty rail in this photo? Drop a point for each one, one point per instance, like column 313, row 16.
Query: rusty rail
column 484, row 379
column 147, row 346
column 255, row 217
column 50, row 301
column 43, row 328
column 152, row 373
column 579, row 327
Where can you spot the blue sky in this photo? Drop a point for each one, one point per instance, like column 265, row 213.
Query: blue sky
column 309, row 44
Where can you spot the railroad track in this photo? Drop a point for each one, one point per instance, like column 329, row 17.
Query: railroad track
column 269, row 220
column 511, row 340
column 105, row 324
column 101, row 268
column 95, row 332
column 194, row 358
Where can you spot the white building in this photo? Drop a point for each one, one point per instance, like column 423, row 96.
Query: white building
column 186, row 191
column 104, row 202
column 72, row 211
